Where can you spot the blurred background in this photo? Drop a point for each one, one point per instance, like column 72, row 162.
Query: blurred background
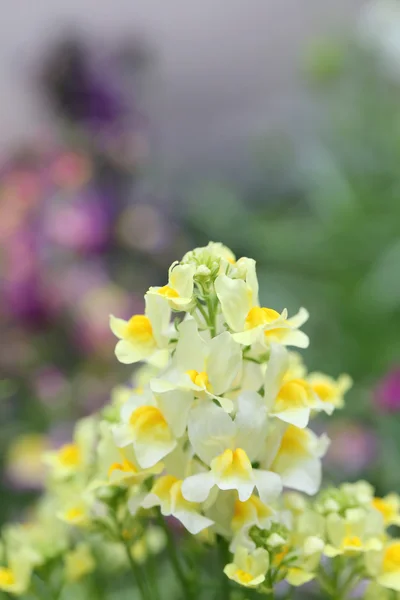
column 134, row 131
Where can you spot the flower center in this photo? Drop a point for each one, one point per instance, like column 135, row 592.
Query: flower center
column 168, row 292
column 148, row 421
column 385, row 508
column 260, row 316
column 200, row 379
column 250, row 510
column 70, row 455
column 296, row 393
column 74, row 513
column 244, row 576
column 294, row 441
column 391, row 559
column 324, row 391
column 139, row 329
column 126, row 466
column 7, row 577
column 230, row 463
column 352, row 541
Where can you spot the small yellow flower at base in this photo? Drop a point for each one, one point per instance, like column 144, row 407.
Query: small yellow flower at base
column 248, row 568
column 64, row 462
column 15, row 578
column 297, row 577
column 389, row 507
column 7, row 578
column 390, row 574
column 76, row 515
column 79, row 562
column 357, row 532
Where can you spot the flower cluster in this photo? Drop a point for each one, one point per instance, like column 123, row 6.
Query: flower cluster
column 213, row 430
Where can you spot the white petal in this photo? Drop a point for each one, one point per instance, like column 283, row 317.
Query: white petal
column 251, row 423
column 193, row 521
column 269, row 485
column 277, row 366
column 175, row 406
column 234, row 298
column 159, row 313
column 250, row 337
column 299, row 418
column 251, row 280
column 304, row 476
column 150, row 453
column 223, row 362
column 181, row 279
column 128, row 353
column 244, row 488
column 123, row 435
column 191, row 350
column 297, row 338
column 211, row 430
column 136, row 400
column 299, row 319
column 118, row 326
column 159, row 358
column 198, row 487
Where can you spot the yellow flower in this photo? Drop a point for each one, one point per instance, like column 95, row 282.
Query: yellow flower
column 357, row 532
column 384, row 565
column 329, row 390
column 15, row 577
column 248, row 569
column 179, row 291
column 389, row 507
column 143, row 337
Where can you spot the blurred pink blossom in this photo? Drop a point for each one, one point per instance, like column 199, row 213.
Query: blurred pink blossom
column 353, row 447
column 387, row 393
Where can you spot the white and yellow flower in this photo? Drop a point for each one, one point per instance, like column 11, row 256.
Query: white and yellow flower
column 290, row 399
column 73, row 459
column 202, row 368
column 167, row 493
column 252, row 323
column 15, row 577
column 355, row 532
column 330, row 390
column 144, row 337
column 384, row 565
column 229, row 447
column 389, row 508
column 118, row 466
column 178, row 293
column 248, row 568
column 296, row 456
column 153, row 431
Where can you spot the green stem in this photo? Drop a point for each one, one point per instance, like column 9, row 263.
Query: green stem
column 153, row 577
column 173, row 555
column 211, row 316
column 136, row 572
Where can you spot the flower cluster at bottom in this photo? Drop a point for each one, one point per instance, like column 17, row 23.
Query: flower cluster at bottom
column 212, row 430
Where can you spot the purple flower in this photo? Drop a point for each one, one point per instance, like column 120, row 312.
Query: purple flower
column 387, row 393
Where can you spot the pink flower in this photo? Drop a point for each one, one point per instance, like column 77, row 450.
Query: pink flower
column 387, row 393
